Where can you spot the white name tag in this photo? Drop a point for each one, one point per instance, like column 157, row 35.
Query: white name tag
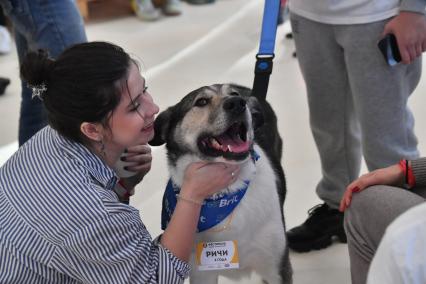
column 217, row 255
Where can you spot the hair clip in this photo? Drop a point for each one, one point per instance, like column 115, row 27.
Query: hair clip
column 38, row 90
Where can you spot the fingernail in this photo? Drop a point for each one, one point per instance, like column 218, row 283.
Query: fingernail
column 356, row 189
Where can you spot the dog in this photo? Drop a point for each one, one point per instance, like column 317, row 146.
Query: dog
column 224, row 123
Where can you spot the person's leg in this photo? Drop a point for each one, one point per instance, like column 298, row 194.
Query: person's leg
column 333, row 123
column 44, row 24
column 334, row 127
column 380, row 94
column 367, row 218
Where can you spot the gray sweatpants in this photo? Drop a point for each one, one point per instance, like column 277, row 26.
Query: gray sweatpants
column 357, row 103
column 368, row 216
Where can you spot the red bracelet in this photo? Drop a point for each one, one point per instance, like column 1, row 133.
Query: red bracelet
column 409, row 179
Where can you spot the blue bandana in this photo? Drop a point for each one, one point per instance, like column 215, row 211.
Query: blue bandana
column 213, row 210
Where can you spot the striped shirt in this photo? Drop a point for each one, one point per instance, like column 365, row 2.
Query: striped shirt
column 61, row 221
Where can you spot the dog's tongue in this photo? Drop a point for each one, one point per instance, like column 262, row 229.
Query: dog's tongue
column 234, row 145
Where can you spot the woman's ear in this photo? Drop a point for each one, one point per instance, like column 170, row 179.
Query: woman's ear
column 93, row 131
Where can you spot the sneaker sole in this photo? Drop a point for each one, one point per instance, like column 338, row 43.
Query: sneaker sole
column 318, row 244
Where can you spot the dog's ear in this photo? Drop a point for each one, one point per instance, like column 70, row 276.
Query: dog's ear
column 161, row 128
column 256, row 112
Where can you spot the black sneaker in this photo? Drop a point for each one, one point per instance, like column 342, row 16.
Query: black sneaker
column 318, row 230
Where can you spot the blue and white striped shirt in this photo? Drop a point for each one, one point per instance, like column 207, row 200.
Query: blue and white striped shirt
column 61, row 221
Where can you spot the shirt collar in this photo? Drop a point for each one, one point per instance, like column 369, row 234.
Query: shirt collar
column 97, row 168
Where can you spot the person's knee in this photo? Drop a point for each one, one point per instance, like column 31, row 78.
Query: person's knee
column 363, row 205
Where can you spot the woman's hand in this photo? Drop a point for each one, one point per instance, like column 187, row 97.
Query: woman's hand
column 140, row 158
column 202, row 179
column 392, row 175
column 409, row 29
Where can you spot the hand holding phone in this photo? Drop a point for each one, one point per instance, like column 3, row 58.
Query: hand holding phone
column 389, row 48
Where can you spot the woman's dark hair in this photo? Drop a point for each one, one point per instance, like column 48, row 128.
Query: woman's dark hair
column 83, row 85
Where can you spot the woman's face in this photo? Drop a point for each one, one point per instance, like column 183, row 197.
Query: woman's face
column 132, row 122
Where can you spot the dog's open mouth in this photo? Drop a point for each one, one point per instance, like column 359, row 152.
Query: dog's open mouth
column 232, row 144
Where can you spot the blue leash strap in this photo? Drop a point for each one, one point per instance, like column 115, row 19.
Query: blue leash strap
column 264, row 57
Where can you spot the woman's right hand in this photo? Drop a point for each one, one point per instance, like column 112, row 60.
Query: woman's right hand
column 200, row 181
column 392, row 175
column 203, row 179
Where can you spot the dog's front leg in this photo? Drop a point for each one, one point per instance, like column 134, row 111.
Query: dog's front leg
column 203, row 277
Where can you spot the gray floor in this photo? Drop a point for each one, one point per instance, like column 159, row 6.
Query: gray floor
column 206, row 45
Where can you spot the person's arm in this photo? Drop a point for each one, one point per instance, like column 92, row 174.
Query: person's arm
column 116, row 249
column 409, row 28
column 418, row 167
column 201, row 181
column 179, row 234
column 394, row 175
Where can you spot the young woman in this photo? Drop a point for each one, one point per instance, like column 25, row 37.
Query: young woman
column 61, row 220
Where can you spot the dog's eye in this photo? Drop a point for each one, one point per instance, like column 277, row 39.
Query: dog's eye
column 201, row 102
column 234, row 94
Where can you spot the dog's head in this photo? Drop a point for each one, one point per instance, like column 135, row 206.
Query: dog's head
column 214, row 123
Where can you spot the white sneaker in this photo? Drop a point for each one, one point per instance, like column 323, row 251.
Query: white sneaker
column 145, row 10
column 172, row 8
column 5, row 41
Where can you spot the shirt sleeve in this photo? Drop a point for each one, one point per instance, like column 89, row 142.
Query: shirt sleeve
column 419, row 170
column 117, row 249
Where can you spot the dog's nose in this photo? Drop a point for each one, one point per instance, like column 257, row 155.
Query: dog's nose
column 235, row 105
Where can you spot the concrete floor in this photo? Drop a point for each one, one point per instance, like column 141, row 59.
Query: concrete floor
column 206, row 45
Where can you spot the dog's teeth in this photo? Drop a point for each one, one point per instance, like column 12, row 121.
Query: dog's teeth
column 215, row 144
column 229, row 148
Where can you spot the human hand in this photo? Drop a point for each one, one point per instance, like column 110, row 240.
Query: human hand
column 203, row 179
column 139, row 158
column 392, row 175
column 409, row 29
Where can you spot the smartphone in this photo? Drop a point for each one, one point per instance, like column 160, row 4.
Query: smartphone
column 389, row 48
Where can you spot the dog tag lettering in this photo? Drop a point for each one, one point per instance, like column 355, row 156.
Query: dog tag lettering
column 217, row 255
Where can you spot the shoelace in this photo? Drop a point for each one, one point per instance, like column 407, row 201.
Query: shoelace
column 316, row 212
column 315, row 209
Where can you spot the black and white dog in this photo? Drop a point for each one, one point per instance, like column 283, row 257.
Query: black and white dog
column 224, row 123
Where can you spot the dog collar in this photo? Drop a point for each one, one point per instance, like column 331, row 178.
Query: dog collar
column 213, row 210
